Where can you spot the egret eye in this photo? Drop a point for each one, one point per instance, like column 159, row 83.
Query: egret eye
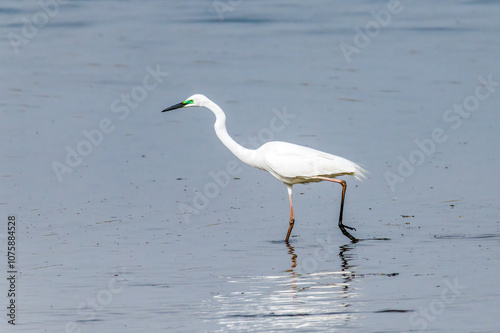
column 189, row 101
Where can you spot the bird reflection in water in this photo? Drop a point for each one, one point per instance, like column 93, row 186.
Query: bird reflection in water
column 348, row 269
column 298, row 297
column 291, row 251
column 319, row 285
column 293, row 284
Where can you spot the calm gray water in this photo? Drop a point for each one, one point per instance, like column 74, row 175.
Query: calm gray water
column 132, row 220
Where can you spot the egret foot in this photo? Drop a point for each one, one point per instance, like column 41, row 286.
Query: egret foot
column 346, row 233
column 350, row 228
column 292, row 222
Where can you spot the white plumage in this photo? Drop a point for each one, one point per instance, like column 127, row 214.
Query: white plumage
column 294, row 164
column 290, row 163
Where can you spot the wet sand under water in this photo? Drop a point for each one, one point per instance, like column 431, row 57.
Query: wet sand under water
column 157, row 227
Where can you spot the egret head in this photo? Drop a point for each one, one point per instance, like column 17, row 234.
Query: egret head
column 195, row 100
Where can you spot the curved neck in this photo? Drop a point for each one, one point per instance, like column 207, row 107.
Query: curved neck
column 241, row 152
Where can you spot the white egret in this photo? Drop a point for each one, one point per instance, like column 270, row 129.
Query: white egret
column 291, row 164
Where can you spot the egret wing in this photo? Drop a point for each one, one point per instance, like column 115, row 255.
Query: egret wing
column 292, row 161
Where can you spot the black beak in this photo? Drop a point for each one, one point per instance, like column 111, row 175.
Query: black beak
column 173, row 107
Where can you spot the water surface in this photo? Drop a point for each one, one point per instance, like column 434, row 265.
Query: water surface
column 157, row 227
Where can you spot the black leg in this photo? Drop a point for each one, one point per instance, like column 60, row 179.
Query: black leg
column 342, row 226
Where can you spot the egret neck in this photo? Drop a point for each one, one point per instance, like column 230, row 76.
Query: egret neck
column 244, row 154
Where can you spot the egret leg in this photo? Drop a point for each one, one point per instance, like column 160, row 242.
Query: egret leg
column 292, row 219
column 342, row 226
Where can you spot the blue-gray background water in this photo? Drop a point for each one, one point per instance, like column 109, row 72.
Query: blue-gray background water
column 130, row 219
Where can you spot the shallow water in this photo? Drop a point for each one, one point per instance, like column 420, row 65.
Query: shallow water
column 155, row 226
